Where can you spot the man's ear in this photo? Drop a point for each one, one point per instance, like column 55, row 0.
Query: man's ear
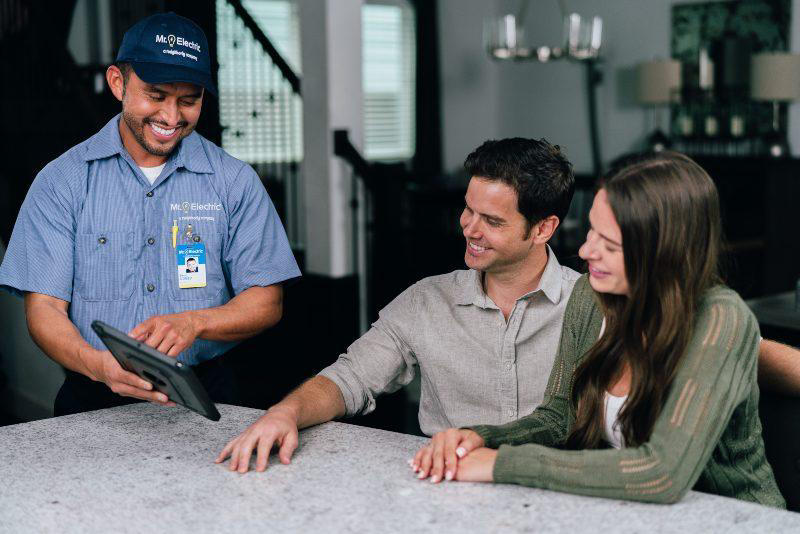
column 116, row 81
column 544, row 229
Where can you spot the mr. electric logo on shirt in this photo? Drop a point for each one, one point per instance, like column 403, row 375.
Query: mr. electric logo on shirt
column 195, row 206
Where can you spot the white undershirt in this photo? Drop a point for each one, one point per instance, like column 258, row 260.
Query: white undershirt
column 152, row 173
column 613, row 429
column 613, row 405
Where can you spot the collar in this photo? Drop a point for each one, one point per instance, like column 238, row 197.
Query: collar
column 107, row 142
column 472, row 291
column 551, row 281
column 550, row 284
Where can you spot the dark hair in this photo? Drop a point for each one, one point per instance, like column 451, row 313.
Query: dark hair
column 667, row 208
column 537, row 171
column 125, row 68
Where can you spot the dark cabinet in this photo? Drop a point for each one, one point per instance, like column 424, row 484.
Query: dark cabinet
column 760, row 203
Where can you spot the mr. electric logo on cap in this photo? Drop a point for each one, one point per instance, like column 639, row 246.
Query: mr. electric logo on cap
column 171, row 40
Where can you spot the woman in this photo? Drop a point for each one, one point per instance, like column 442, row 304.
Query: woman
column 656, row 360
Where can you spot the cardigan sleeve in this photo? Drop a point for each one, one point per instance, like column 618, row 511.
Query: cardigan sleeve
column 714, row 376
column 550, row 422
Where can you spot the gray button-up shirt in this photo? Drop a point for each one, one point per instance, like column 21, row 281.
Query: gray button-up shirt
column 475, row 366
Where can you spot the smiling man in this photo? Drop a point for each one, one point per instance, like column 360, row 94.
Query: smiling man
column 121, row 212
column 483, row 339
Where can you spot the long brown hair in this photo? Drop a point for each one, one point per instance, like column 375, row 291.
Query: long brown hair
column 667, row 208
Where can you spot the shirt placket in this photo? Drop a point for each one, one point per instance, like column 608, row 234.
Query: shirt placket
column 508, row 364
column 155, row 232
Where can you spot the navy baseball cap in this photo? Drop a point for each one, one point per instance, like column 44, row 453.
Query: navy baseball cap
column 166, row 48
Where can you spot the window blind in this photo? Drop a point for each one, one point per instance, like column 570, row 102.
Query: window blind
column 261, row 117
column 389, row 48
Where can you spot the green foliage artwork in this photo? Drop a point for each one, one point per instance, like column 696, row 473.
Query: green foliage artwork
column 763, row 24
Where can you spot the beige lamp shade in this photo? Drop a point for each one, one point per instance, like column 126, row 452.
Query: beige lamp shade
column 775, row 76
column 658, row 81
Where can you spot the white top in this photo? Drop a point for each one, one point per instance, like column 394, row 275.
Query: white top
column 152, row 173
column 613, row 405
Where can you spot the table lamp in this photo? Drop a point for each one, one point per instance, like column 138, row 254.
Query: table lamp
column 775, row 78
column 658, row 84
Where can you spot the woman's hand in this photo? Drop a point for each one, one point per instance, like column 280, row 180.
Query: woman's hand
column 477, row 466
column 440, row 458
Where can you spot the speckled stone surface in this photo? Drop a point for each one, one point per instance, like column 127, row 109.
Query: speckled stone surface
column 141, row 468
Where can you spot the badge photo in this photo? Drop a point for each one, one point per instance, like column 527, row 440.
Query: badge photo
column 191, row 265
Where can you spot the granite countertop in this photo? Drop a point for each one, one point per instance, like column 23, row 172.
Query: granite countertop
column 141, row 468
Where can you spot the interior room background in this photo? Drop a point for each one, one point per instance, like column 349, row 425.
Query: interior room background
column 390, row 181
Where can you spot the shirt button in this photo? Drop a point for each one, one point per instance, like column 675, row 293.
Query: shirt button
column 151, row 288
column 149, row 194
column 102, row 240
column 512, row 413
column 509, row 365
column 150, row 240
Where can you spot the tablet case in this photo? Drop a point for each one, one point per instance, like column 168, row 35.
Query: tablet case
column 169, row 376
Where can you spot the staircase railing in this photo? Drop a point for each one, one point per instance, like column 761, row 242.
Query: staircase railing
column 261, row 109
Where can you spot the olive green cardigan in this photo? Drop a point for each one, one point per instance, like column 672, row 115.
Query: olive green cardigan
column 707, row 437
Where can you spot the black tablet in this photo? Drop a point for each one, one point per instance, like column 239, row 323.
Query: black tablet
column 169, row 376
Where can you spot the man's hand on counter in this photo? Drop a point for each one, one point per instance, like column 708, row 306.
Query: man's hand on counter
column 277, row 427
column 107, row 369
column 316, row 401
column 170, row 334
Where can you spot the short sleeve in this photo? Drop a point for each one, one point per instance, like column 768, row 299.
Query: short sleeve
column 40, row 253
column 257, row 251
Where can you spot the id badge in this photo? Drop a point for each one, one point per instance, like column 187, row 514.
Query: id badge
column 191, row 260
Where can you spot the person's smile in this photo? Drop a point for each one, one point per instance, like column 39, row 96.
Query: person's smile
column 597, row 273
column 164, row 133
column 475, row 249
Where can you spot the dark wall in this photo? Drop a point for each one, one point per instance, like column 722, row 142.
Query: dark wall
column 47, row 101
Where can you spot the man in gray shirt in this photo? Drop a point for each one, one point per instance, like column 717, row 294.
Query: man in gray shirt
column 484, row 339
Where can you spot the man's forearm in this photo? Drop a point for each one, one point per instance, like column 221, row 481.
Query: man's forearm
column 54, row 333
column 779, row 368
column 316, row 401
column 244, row 316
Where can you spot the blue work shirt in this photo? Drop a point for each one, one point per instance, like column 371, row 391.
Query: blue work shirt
column 94, row 232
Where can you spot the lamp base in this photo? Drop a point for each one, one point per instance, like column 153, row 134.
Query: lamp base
column 658, row 141
column 776, row 145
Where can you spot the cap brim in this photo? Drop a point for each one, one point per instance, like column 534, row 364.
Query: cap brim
column 162, row 73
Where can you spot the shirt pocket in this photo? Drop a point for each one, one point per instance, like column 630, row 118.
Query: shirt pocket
column 215, row 280
column 104, row 266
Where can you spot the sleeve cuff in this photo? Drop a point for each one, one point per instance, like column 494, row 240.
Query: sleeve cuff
column 353, row 402
column 18, row 289
column 488, row 433
column 507, row 468
column 264, row 281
